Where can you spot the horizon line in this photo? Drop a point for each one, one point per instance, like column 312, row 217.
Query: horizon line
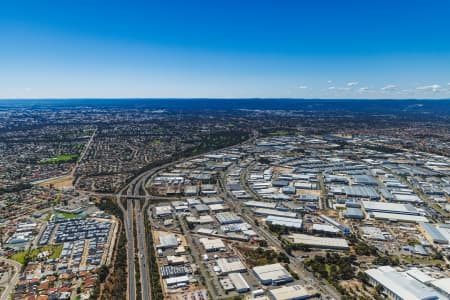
column 220, row 98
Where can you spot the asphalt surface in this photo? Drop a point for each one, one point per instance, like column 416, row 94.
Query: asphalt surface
column 6, row 293
column 133, row 192
column 130, row 251
column 142, row 251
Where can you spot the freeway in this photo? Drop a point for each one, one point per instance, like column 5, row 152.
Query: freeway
column 142, row 250
column 128, row 223
column 130, row 192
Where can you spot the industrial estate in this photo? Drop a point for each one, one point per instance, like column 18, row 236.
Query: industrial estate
column 150, row 201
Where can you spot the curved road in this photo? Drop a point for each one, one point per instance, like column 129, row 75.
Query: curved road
column 12, row 283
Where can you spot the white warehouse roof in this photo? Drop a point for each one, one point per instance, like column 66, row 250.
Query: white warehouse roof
column 288, row 222
column 402, row 285
column 319, row 242
column 273, row 273
column 292, row 292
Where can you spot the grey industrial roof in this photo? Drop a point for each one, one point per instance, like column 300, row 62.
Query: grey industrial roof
column 361, row 191
column 353, row 212
column 390, row 207
column 435, row 234
column 364, row 179
column 288, row 222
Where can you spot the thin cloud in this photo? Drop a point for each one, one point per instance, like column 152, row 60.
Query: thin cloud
column 363, row 89
column 352, row 83
column 389, row 87
column 331, row 81
column 303, row 87
column 433, row 88
column 331, row 88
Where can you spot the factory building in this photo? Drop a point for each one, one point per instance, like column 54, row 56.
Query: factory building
column 442, row 285
column 318, row 242
column 239, row 282
column 398, row 217
column 293, row 292
column 163, row 211
column 167, row 241
column 336, row 224
column 177, row 281
column 260, row 204
column 401, row 286
column 391, row 208
column 230, row 265
column 355, row 191
column 353, row 213
column 326, row 229
column 212, row 245
column 282, row 221
column 274, row 212
column 433, row 234
column 274, row 274
column 227, row 218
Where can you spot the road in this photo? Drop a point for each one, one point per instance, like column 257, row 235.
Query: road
column 197, row 259
column 128, row 223
column 12, row 283
column 132, row 192
column 85, row 150
column 142, row 251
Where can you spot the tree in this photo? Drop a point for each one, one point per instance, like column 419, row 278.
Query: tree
column 379, row 288
column 103, row 272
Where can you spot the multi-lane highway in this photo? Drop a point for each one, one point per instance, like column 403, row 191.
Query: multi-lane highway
column 128, row 223
column 135, row 192
column 142, row 250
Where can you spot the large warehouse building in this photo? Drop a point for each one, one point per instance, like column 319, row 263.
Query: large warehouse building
column 391, row 208
column 239, row 282
column 436, row 233
column 274, row 274
column 401, row 286
column 293, row 292
column 318, row 242
column 287, row 222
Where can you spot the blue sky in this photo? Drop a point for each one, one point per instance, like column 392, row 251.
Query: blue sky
column 304, row 49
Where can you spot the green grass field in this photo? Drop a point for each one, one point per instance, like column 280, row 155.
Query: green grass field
column 59, row 159
column 20, row 257
column 68, row 215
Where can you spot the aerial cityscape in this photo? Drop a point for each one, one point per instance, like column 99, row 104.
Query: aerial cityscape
column 225, row 150
column 167, row 199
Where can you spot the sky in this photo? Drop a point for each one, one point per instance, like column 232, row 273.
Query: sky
column 225, row 49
